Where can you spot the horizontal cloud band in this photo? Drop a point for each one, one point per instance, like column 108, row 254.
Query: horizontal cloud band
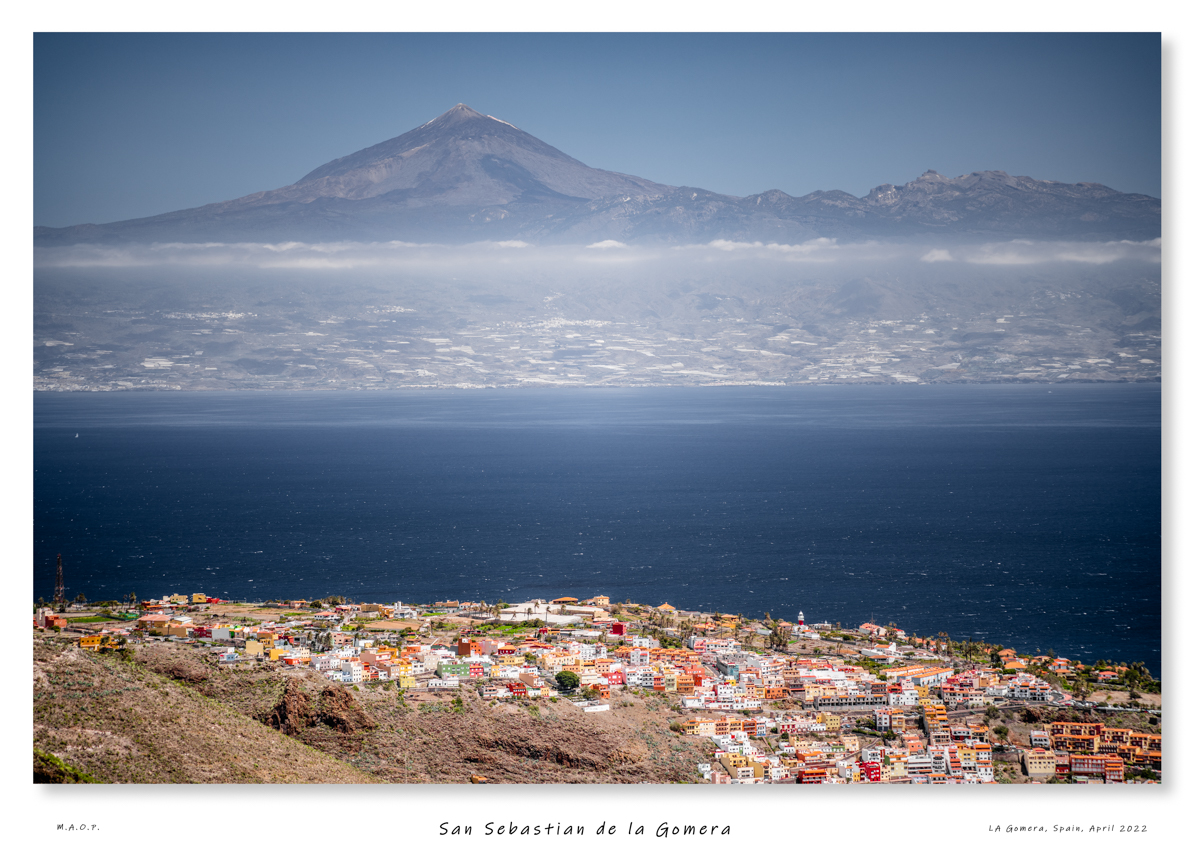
column 515, row 253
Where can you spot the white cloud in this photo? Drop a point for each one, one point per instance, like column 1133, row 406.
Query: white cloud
column 1025, row 253
column 808, row 247
column 821, row 249
column 492, row 256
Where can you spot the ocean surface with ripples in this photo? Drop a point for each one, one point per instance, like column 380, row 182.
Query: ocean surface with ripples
column 1025, row 515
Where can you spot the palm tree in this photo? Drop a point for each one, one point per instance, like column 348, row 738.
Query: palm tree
column 779, row 638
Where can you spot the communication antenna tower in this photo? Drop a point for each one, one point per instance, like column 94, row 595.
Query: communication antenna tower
column 60, row 593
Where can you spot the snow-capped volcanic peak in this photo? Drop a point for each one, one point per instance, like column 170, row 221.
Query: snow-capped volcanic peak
column 463, row 113
column 462, row 157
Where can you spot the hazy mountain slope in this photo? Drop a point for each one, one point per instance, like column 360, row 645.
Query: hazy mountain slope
column 466, row 177
column 532, row 316
column 465, row 158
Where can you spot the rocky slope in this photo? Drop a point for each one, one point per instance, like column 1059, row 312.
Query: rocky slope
column 168, row 714
column 115, row 720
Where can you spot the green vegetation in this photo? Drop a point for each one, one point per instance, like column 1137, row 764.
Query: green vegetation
column 567, row 680
column 510, row 628
column 779, row 638
column 1136, row 677
column 49, row 768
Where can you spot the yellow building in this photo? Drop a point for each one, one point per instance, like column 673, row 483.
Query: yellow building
column 743, row 769
column 156, row 624
column 1040, row 763
column 254, row 648
column 554, row 662
column 935, row 715
column 91, row 643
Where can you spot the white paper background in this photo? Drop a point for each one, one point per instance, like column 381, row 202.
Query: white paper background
column 768, row 821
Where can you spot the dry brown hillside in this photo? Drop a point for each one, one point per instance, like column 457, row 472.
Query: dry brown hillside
column 193, row 721
column 117, row 721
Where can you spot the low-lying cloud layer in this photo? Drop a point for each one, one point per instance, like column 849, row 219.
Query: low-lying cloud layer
column 517, row 254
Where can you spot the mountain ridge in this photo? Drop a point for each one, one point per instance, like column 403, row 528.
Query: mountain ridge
column 466, row 176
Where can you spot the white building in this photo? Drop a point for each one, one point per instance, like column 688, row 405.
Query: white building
column 352, row 672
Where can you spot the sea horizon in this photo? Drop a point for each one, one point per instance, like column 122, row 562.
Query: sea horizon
column 1024, row 515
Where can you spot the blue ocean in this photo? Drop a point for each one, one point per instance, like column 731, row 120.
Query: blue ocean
column 1025, row 515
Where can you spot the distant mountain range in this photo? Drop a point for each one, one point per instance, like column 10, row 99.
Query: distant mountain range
column 466, row 177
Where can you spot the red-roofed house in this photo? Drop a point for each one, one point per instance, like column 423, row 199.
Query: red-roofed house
column 154, row 623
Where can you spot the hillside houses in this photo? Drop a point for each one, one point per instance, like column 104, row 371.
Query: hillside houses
column 867, row 710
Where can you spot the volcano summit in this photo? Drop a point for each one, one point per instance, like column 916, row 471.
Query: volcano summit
column 465, row 177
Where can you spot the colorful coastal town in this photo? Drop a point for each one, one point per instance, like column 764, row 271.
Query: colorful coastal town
column 771, row 700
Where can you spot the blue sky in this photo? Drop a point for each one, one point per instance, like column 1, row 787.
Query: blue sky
column 131, row 125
